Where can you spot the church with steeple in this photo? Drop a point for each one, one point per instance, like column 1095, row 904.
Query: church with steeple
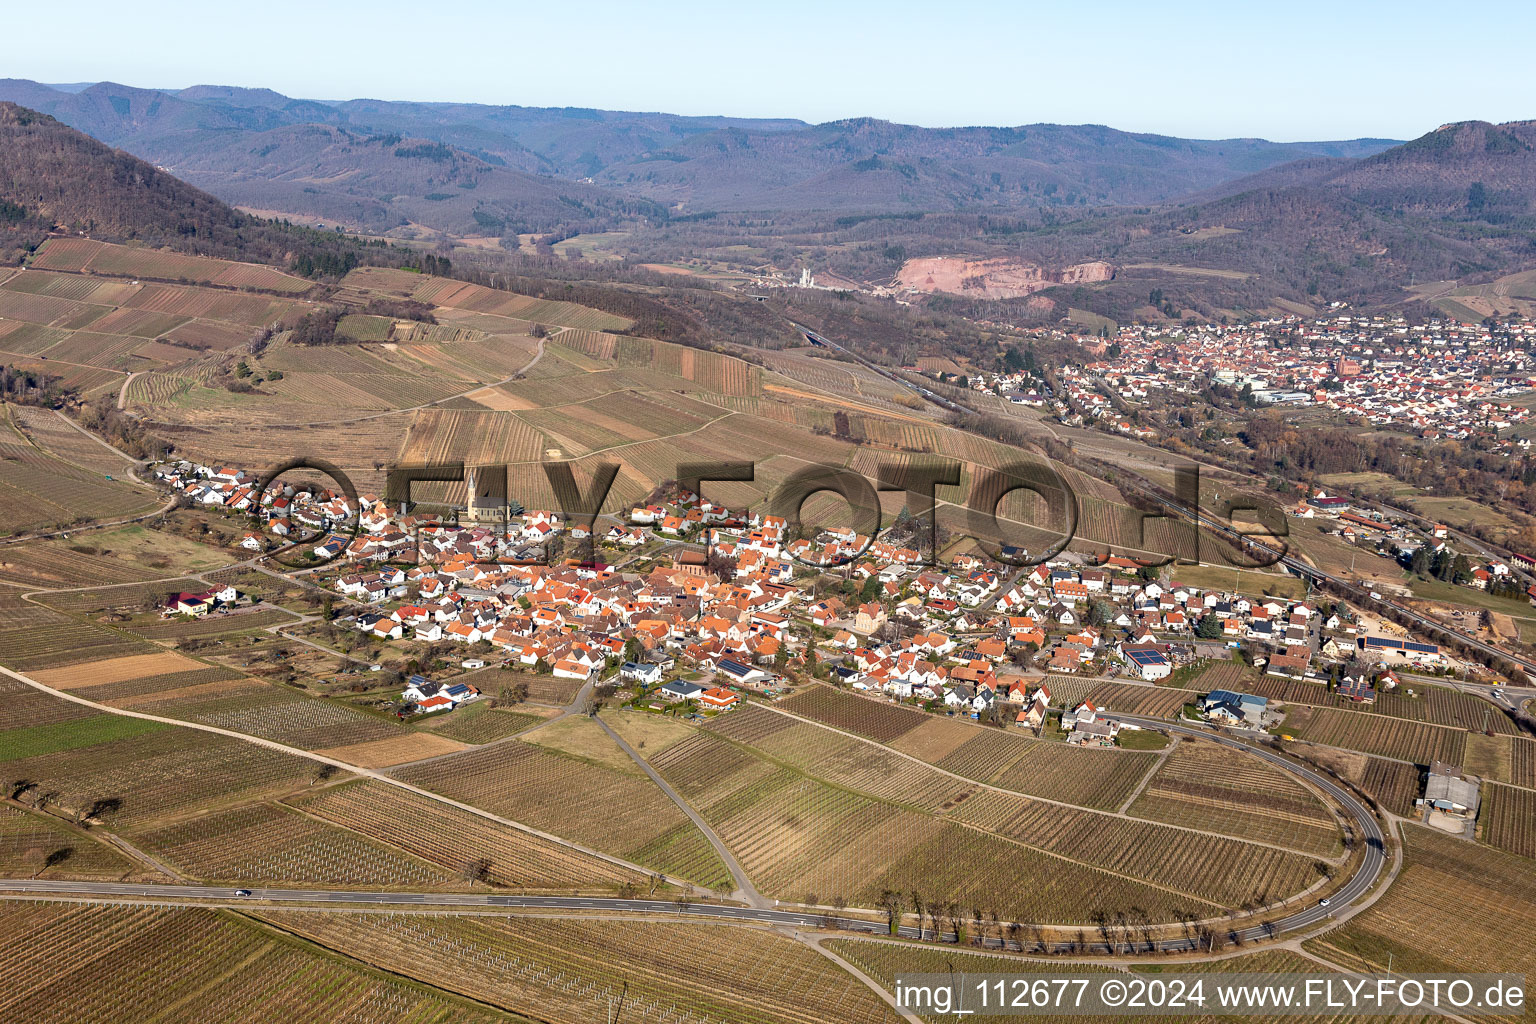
column 486, row 490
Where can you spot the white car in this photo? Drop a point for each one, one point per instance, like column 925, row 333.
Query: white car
column 1324, row 902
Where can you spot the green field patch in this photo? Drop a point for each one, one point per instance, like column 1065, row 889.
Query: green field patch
column 35, row 740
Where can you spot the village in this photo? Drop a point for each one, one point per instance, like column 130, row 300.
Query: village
column 1441, row 379
column 704, row 607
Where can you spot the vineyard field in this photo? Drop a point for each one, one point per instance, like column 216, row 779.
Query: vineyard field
column 1508, row 818
column 262, row 842
column 616, row 812
column 178, row 966
column 1377, row 734
column 1489, row 894
column 574, row 971
column 450, row 837
column 1209, row 787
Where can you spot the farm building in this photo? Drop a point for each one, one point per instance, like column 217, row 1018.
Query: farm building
column 1382, row 646
column 1447, row 790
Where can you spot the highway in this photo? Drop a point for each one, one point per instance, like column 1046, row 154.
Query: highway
column 1314, row 914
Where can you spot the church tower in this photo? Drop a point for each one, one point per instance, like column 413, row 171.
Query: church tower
column 486, row 490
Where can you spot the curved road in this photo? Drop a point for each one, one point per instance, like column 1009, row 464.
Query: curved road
column 1357, row 886
column 1365, row 821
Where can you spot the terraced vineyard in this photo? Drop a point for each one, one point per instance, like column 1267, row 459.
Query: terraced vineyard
column 79, row 254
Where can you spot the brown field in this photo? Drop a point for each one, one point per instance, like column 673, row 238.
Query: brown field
column 541, row 689
column 193, row 965
column 573, row 971
column 934, row 739
column 1205, row 786
column 1508, row 819
column 42, row 564
column 1225, row 675
column 1490, row 896
column 115, row 670
column 449, row 837
column 395, row 750
column 212, row 625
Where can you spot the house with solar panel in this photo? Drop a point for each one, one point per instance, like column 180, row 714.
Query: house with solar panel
column 1148, row 662
column 1384, row 647
column 1232, row 708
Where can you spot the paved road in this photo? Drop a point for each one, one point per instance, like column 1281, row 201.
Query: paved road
column 1366, row 827
column 1356, row 887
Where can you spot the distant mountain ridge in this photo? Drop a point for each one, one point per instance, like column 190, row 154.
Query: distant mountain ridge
column 542, row 157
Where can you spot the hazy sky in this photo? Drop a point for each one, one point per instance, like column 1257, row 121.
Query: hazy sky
column 1301, row 70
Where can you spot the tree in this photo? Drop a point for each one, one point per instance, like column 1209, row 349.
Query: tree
column 54, row 858
column 893, row 902
column 477, row 869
